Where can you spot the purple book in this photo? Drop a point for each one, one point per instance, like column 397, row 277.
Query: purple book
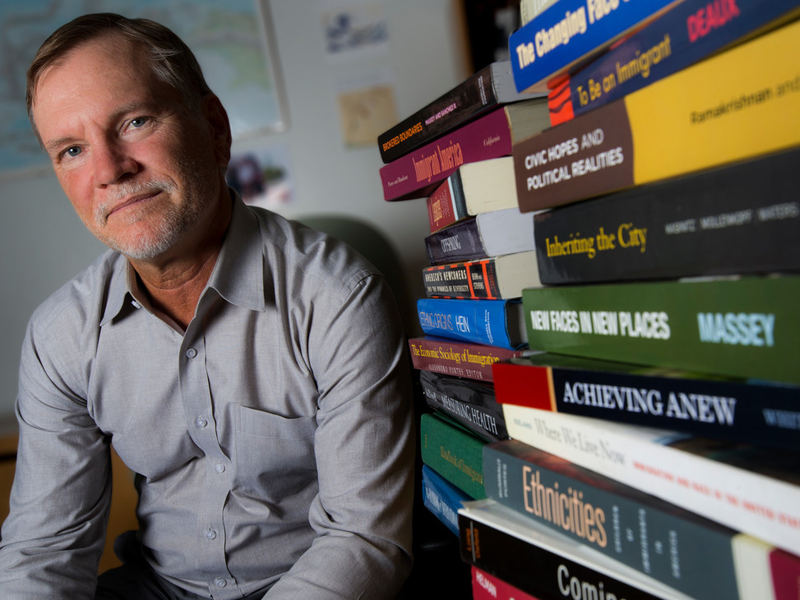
column 416, row 175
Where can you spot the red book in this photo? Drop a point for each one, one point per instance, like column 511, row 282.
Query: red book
column 473, row 189
column 441, row 207
column 417, row 174
column 459, row 359
column 489, row 587
column 785, row 574
column 560, row 102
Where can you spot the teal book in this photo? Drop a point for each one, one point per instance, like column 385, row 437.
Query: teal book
column 675, row 546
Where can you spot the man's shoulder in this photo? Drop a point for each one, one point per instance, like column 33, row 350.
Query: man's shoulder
column 311, row 253
column 82, row 297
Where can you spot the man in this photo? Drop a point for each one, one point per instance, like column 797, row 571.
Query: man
column 250, row 371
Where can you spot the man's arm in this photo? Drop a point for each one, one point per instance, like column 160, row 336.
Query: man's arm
column 364, row 449
column 54, row 535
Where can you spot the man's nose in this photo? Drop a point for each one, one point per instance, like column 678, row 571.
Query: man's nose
column 112, row 163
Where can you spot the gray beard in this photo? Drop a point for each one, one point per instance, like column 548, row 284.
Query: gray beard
column 166, row 232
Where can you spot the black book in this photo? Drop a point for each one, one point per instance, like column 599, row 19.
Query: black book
column 486, row 89
column 546, row 564
column 468, row 402
column 741, row 219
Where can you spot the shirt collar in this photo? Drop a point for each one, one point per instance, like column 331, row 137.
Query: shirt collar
column 117, row 289
column 238, row 274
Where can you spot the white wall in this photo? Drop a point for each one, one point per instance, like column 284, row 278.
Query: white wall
column 43, row 244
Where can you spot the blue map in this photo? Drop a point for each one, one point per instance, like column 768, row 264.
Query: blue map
column 228, row 38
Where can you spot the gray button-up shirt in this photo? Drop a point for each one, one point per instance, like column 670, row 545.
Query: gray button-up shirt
column 272, row 440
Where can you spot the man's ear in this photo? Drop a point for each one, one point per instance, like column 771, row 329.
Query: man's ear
column 217, row 119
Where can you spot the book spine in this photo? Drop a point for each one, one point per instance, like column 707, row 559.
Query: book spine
column 470, row 404
column 456, row 243
column 735, row 220
column 751, row 558
column 454, row 453
column 458, row 359
column 506, row 231
column 757, row 504
column 785, row 575
column 559, row 101
column 480, row 322
column 736, row 327
column 678, row 551
column 742, row 412
column 441, row 498
column 533, row 569
column 475, row 279
column 416, row 175
column 662, row 131
column 443, row 206
column 569, row 31
column 468, row 100
column 528, row 9
column 489, row 587
column 690, row 32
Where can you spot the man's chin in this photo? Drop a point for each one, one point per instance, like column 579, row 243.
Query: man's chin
column 141, row 249
column 145, row 239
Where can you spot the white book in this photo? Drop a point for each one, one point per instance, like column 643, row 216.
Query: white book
column 529, row 9
column 507, row 231
column 764, row 503
column 486, row 185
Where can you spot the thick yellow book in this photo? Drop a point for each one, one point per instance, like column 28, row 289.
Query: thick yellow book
column 738, row 105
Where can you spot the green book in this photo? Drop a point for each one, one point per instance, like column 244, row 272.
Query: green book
column 746, row 327
column 454, row 453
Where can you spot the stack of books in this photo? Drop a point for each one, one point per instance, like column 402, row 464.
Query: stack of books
column 654, row 427
column 456, row 154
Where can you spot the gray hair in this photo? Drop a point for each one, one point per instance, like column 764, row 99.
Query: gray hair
column 170, row 58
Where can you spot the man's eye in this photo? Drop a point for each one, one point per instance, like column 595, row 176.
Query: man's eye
column 138, row 122
column 72, row 151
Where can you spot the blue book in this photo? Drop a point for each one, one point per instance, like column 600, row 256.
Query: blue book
column 570, row 31
column 499, row 323
column 442, row 498
column 685, row 35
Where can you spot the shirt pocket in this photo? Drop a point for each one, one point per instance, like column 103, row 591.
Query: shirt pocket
column 274, row 455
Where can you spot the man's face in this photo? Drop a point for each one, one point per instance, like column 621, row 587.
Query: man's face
column 141, row 169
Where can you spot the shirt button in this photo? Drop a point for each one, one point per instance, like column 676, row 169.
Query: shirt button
column 200, row 422
column 219, row 468
column 221, row 583
column 191, row 353
column 211, row 534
